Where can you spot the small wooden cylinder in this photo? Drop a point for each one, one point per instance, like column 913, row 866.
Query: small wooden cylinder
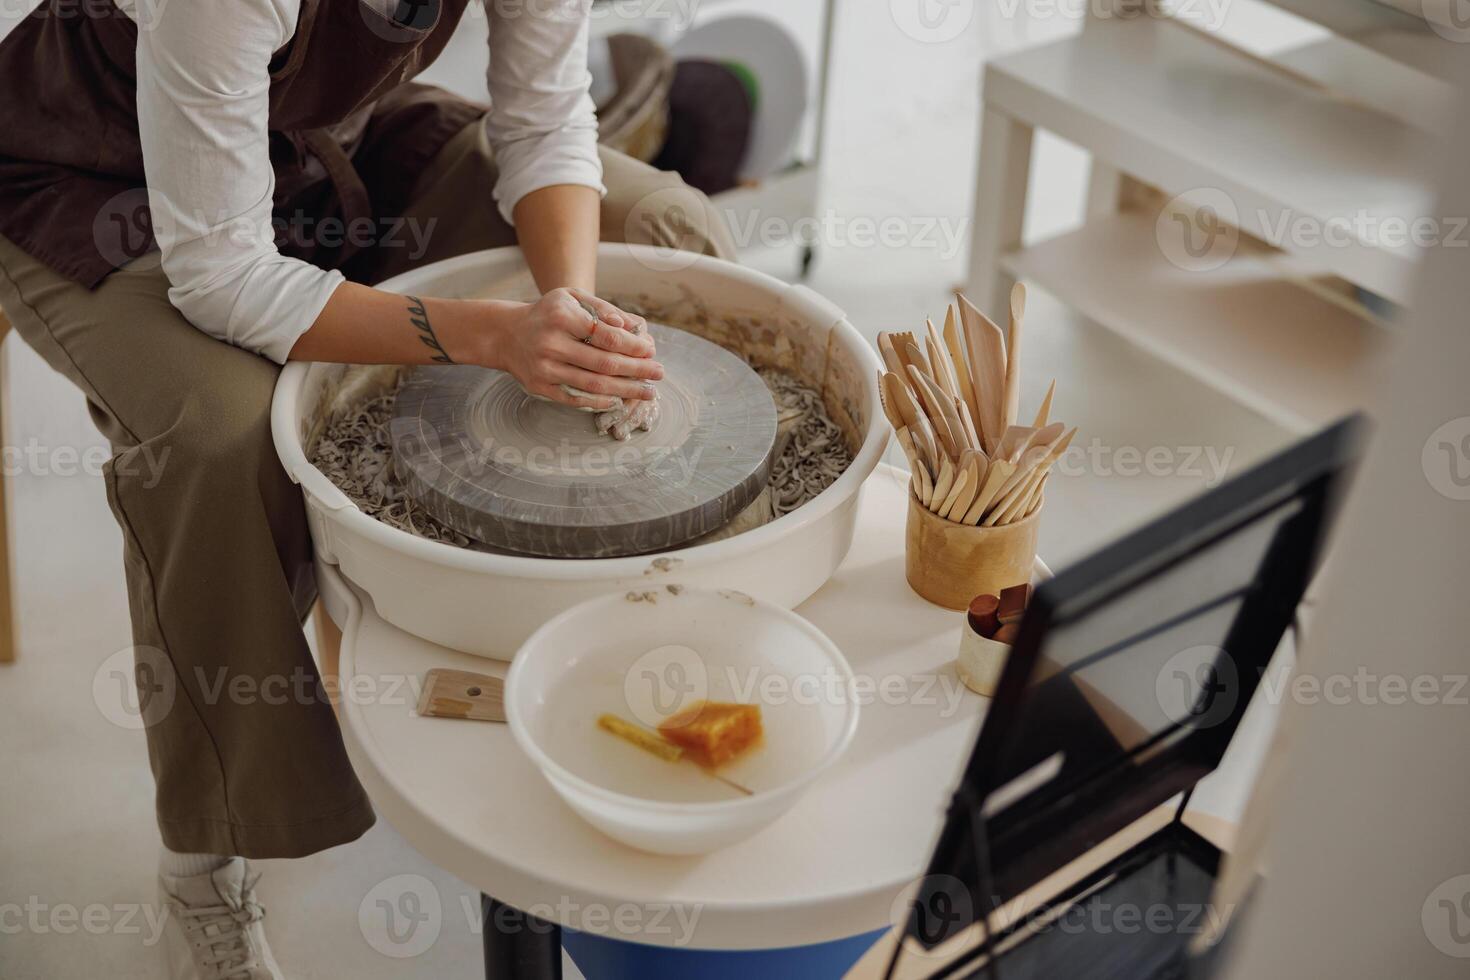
column 949, row 564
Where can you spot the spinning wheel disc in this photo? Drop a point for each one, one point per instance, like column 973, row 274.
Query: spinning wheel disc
column 527, row 475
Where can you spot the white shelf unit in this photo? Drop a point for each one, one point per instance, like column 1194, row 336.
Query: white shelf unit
column 1158, row 102
column 1293, row 356
column 1393, row 33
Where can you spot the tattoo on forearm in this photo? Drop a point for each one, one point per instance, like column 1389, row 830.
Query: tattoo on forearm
column 419, row 317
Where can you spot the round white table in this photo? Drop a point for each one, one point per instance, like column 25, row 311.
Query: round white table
column 832, row 868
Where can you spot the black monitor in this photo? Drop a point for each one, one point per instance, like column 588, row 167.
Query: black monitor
column 1129, row 675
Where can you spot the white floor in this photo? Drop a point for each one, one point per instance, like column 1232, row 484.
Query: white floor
column 76, row 810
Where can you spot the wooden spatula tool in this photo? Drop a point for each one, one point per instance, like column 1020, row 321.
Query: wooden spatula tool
column 960, row 359
column 1013, row 355
column 987, row 349
column 462, row 694
column 935, row 403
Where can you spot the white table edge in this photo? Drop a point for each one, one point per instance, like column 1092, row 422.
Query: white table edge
column 725, row 926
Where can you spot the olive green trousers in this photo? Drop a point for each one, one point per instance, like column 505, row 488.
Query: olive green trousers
column 243, row 743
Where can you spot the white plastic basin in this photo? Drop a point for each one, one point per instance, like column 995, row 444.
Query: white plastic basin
column 645, row 657
column 488, row 604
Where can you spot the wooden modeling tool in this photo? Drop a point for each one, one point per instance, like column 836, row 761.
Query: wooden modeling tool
column 1005, row 505
column 961, row 481
column 987, row 348
column 903, row 342
column 954, row 405
column 656, row 744
column 890, row 411
column 934, row 404
column 940, row 361
column 1032, row 454
column 1013, row 602
column 943, row 482
column 923, row 487
column 462, row 694
column 980, row 463
column 960, row 361
column 902, row 397
column 1040, row 467
column 891, row 360
column 945, row 403
column 984, row 615
column 1036, row 497
column 1013, row 442
column 1000, row 471
column 967, row 421
column 973, row 474
column 1043, row 414
column 1013, row 355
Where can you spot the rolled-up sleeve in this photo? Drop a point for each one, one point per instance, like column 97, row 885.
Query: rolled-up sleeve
column 203, row 111
column 542, row 122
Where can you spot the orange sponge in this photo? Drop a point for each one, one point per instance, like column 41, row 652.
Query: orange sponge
column 713, row 733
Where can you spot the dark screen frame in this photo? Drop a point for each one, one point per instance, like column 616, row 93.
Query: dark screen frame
column 1043, row 831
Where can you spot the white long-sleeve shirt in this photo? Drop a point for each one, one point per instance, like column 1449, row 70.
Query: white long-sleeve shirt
column 203, row 106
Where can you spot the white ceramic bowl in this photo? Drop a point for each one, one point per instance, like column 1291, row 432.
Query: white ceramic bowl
column 487, row 604
column 645, row 655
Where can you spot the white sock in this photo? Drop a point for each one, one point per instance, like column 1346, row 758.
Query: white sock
column 177, row 865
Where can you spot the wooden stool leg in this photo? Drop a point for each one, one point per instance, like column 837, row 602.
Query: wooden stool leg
column 7, row 618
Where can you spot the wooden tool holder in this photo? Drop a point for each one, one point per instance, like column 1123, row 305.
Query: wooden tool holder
column 949, row 564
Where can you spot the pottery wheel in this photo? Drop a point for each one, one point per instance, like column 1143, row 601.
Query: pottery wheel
column 527, row 475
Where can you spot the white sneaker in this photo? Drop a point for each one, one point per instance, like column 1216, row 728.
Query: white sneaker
column 213, row 929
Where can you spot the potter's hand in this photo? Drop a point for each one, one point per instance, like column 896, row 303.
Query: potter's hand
column 627, row 418
column 571, row 347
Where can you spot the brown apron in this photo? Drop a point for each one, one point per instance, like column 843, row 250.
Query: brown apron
column 348, row 132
